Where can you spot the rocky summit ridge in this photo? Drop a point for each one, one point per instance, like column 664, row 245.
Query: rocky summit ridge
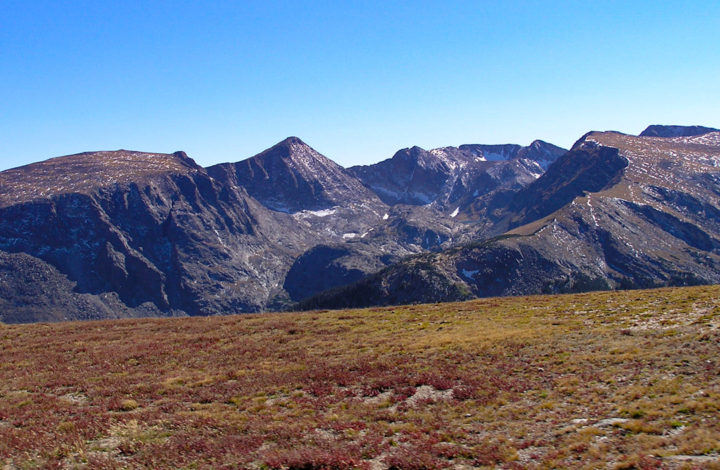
column 126, row 234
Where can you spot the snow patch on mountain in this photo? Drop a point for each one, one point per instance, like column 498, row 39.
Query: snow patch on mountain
column 468, row 274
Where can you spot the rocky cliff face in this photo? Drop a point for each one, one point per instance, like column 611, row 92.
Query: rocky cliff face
column 155, row 230
column 588, row 167
column 616, row 211
column 412, row 176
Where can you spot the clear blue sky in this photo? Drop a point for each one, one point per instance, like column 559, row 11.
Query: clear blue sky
column 356, row 80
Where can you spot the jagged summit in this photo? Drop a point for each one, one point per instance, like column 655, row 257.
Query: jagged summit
column 418, row 177
column 413, row 153
column 538, row 151
column 492, row 152
column 85, row 172
column 541, row 152
column 445, row 157
column 659, row 130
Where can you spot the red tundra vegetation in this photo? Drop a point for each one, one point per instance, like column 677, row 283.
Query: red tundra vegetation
column 621, row 379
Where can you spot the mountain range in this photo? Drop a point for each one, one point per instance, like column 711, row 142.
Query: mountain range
column 129, row 234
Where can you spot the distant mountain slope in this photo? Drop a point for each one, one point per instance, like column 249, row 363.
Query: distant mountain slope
column 617, row 211
column 538, row 151
column 657, row 130
column 586, row 168
column 127, row 234
column 124, row 233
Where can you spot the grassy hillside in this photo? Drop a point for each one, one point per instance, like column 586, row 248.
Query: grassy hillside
column 630, row 379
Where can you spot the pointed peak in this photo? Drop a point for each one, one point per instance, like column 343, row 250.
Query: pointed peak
column 292, row 152
column 546, row 145
column 289, row 146
column 292, row 140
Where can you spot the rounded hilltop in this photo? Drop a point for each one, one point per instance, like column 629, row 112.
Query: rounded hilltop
column 87, row 171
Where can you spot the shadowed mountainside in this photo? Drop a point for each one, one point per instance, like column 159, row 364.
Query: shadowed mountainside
column 616, row 211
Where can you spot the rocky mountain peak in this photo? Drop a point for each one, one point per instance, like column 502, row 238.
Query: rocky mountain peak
column 292, row 140
column 593, row 139
column 292, row 176
column 684, row 163
column 588, row 166
column 288, row 147
column 418, row 156
column 541, row 152
column 416, row 176
column 291, row 151
column 183, row 157
column 492, row 152
column 538, row 151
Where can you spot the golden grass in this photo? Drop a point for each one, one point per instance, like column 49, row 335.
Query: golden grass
column 621, row 379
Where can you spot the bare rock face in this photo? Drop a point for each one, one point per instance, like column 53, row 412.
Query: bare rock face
column 454, row 174
column 155, row 230
column 540, row 152
column 587, row 168
column 412, row 176
column 33, row 290
column 324, row 267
